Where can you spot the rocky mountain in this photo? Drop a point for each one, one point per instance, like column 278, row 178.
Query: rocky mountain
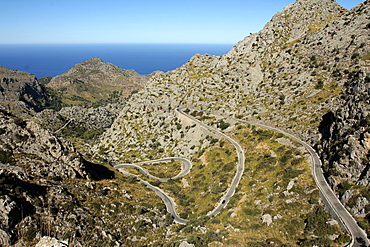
column 93, row 80
column 47, row 188
column 291, row 74
column 21, row 94
column 307, row 72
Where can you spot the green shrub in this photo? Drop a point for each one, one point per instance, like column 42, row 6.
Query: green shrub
column 320, row 84
column 30, row 234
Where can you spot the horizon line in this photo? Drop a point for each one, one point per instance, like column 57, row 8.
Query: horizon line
column 124, row 43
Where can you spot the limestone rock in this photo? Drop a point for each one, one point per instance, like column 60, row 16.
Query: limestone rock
column 186, row 244
column 344, row 137
column 9, row 212
column 51, row 242
column 266, row 218
column 4, row 238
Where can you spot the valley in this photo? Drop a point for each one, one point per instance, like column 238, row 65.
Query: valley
column 267, row 145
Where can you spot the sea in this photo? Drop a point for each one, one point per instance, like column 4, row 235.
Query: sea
column 54, row 59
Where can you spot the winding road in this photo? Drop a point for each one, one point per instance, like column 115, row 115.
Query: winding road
column 359, row 237
column 168, row 201
column 239, row 168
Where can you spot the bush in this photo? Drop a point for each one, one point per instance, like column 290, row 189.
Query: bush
column 320, row 84
column 30, row 234
column 222, row 124
column 20, row 122
column 6, row 157
column 343, row 187
column 355, row 55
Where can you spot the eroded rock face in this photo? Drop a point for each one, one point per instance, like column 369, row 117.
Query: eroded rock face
column 51, row 242
column 38, row 150
column 345, row 142
column 21, row 94
column 34, row 162
column 8, row 212
column 4, row 238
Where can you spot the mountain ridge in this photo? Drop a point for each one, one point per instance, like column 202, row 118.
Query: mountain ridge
column 290, row 81
column 308, row 76
column 94, row 80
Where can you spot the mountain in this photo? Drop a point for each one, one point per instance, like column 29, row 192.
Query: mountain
column 93, row 80
column 291, row 74
column 22, row 94
column 306, row 72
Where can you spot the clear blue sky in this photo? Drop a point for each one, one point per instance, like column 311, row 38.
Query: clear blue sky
column 136, row 21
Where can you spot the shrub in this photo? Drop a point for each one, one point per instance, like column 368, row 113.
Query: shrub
column 20, row 122
column 30, row 234
column 320, row 84
column 222, row 124
column 343, row 187
column 355, row 55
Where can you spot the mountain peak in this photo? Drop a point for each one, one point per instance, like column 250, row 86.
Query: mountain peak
column 94, row 80
column 295, row 21
column 96, row 59
column 306, row 16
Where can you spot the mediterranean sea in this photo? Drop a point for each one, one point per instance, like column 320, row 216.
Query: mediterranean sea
column 55, row 59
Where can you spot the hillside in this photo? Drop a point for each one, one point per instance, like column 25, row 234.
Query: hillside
column 306, row 73
column 22, row 94
column 289, row 75
column 95, row 81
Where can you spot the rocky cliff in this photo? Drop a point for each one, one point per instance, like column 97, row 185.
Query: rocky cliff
column 21, row 94
column 35, row 167
column 345, row 144
column 94, row 80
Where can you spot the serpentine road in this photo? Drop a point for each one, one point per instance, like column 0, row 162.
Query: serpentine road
column 239, row 169
column 168, row 201
column 358, row 235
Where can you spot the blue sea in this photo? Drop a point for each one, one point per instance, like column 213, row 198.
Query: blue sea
column 55, row 59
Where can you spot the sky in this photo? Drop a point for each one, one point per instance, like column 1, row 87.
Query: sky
column 136, row 21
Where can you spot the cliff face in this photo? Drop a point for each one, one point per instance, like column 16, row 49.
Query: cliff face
column 35, row 169
column 21, row 93
column 345, row 144
column 94, row 80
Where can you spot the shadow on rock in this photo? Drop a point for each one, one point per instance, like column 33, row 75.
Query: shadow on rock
column 98, row 172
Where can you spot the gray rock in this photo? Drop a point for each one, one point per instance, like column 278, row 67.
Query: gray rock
column 9, row 212
column 51, row 242
column 266, row 218
column 186, row 244
column 4, row 238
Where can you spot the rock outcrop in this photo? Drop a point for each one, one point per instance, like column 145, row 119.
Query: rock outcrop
column 21, row 94
column 345, row 143
column 32, row 161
